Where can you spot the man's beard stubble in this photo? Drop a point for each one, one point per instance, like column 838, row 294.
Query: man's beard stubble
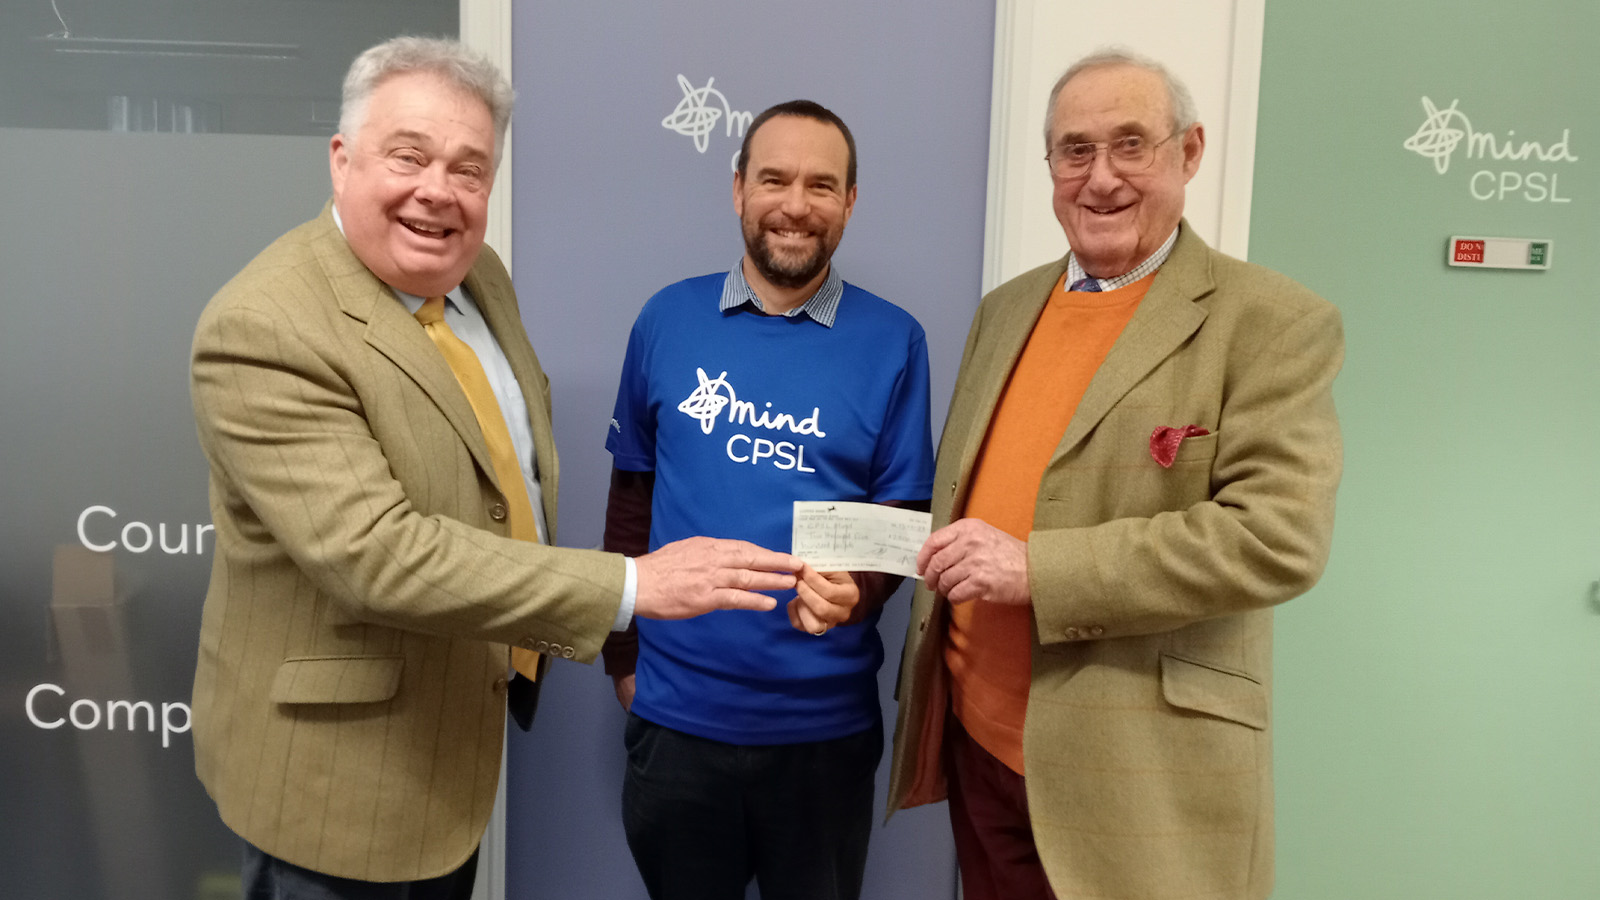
column 779, row 273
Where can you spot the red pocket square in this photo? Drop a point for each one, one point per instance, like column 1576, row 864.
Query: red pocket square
column 1165, row 439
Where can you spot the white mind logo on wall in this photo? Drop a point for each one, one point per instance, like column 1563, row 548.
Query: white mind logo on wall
column 1445, row 131
column 697, row 114
column 713, row 395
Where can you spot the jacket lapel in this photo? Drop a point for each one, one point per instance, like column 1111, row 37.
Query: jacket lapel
column 505, row 323
column 396, row 334
column 1166, row 317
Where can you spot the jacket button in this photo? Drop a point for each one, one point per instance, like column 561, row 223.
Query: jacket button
column 923, row 625
column 543, row 647
column 528, row 643
column 1071, row 633
column 567, row 653
column 499, row 685
column 1096, row 631
column 952, row 487
column 497, row 512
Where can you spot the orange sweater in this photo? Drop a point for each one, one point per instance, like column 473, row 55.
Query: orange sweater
column 988, row 647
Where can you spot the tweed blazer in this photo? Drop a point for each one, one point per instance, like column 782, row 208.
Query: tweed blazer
column 350, row 695
column 1147, row 743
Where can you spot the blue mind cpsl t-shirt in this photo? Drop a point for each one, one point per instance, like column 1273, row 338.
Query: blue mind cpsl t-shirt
column 739, row 415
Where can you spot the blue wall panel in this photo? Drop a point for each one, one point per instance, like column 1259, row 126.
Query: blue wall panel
column 623, row 184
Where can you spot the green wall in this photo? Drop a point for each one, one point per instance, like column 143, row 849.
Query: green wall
column 1438, row 694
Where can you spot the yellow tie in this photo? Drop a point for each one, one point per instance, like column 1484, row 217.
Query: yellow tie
column 475, row 384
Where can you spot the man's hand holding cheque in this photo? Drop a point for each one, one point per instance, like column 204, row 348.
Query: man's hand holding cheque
column 972, row 560
column 697, row 575
column 823, row 600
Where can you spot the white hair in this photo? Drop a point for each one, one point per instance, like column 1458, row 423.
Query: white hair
column 454, row 61
column 1182, row 103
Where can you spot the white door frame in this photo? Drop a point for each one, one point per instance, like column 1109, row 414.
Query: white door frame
column 486, row 26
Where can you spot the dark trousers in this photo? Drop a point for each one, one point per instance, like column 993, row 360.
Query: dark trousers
column 704, row 817
column 269, row 878
column 989, row 816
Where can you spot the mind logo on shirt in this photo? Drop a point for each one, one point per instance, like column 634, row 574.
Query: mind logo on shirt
column 713, row 395
column 707, row 401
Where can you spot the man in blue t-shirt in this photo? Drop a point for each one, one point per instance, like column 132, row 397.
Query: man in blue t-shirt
column 753, row 738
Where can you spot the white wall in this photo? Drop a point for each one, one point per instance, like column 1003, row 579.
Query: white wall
column 1213, row 45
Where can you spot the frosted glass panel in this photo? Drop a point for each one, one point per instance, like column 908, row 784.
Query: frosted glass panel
column 151, row 149
column 193, row 66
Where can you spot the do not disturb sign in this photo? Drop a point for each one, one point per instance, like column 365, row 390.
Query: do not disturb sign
column 1498, row 253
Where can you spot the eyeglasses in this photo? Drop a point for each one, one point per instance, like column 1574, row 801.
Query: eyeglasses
column 1127, row 154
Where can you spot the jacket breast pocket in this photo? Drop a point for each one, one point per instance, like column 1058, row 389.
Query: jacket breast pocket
column 337, row 679
column 1201, row 448
column 1213, row 690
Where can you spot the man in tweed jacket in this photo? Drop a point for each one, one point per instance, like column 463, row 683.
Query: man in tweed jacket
column 351, row 692
column 1140, row 461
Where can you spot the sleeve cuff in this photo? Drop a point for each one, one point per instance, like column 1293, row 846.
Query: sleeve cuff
column 630, row 593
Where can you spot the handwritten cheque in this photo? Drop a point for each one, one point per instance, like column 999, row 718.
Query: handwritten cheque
column 858, row 537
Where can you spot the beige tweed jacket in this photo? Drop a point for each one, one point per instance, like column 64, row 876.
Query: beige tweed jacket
column 350, row 696
column 1147, row 744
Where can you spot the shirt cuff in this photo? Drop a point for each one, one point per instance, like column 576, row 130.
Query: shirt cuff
column 630, row 594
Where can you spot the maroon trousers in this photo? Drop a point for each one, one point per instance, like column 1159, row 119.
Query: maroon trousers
column 989, row 815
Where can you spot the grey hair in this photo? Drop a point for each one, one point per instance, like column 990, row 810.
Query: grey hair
column 1182, row 103
column 454, row 61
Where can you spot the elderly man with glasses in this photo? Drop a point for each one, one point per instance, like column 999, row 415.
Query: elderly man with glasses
column 1140, row 460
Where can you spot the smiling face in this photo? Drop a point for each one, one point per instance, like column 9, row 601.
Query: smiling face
column 1116, row 220
column 412, row 185
column 792, row 203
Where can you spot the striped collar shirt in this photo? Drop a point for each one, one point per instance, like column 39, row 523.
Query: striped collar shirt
column 822, row 307
column 1153, row 262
